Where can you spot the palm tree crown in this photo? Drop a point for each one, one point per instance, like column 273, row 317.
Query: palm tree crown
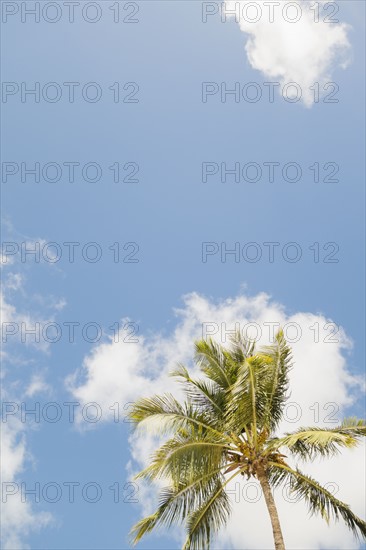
column 227, row 427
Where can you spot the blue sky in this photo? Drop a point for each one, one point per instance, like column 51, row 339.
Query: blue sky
column 169, row 213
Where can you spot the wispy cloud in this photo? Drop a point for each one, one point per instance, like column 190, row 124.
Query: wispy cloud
column 19, row 518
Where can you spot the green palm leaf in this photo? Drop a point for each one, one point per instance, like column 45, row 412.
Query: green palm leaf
column 277, row 380
column 178, row 455
column 176, row 502
column 311, row 442
column 164, row 413
column 319, row 499
column 209, row 517
column 213, row 362
column 202, row 393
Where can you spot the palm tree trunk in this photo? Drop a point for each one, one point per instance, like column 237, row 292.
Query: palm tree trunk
column 271, row 506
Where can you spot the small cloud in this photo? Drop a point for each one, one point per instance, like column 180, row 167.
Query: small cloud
column 60, row 304
column 14, row 281
column 304, row 51
column 37, row 385
column 5, row 260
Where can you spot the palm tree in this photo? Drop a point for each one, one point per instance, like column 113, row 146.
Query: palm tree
column 226, row 427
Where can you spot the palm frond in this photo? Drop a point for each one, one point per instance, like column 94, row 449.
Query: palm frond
column 175, row 503
column 165, row 414
column 212, row 361
column 142, row 527
column 240, row 348
column 246, row 397
column 317, row 497
column 204, row 394
column 353, row 425
column 279, row 356
column 185, row 458
column 212, row 514
column 311, row 442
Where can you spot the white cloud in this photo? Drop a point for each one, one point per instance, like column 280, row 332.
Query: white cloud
column 37, row 385
column 18, row 518
column 303, row 51
column 321, row 385
column 14, row 281
column 26, row 328
column 5, row 260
